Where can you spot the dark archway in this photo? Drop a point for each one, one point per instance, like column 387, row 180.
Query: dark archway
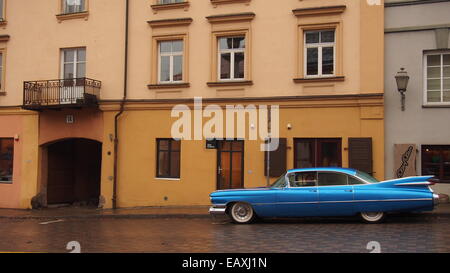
column 74, row 171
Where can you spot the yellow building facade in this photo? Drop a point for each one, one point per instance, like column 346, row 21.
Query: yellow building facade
column 102, row 133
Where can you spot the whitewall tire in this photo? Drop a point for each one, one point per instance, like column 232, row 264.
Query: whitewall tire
column 373, row 217
column 242, row 213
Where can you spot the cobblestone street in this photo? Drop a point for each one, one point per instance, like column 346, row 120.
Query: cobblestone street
column 402, row 233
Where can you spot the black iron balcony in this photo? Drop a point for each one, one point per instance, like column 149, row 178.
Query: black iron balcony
column 64, row 93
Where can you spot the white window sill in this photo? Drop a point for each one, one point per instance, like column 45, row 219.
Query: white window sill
column 437, row 105
column 167, row 179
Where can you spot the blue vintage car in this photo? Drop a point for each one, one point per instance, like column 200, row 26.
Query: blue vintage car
column 326, row 192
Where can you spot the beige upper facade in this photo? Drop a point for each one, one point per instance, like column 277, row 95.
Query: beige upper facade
column 33, row 34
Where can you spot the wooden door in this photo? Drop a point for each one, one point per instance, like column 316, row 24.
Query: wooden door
column 61, row 177
column 230, row 165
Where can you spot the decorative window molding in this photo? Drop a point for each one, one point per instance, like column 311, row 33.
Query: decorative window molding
column 169, row 30
column 230, row 83
column 170, row 22
column 4, row 38
column 320, row 19
column 230, row 25
column 168, row 86
column 70, row 16
column 320, row 11
column 324, row 79
column 177, row 5
column 82, row 12
column 231, row 18
column 223, row 2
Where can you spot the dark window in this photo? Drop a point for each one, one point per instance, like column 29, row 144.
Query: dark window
column 6, row 159
column 436, row 161
column 354, row 181
column 168, row 158
column 317, row 153
column 303, row 179
column 332, row 179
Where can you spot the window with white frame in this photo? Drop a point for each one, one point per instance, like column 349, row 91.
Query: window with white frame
column 170, row 61
column 437, row 77
column 320, row 53
column 73, row 63
column 162, row 2
column 2, row 11
column 232, row 58
column 73, row 6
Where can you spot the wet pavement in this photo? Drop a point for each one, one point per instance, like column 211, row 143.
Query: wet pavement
column 72, row 212
column 135, row 213
column 400, row 233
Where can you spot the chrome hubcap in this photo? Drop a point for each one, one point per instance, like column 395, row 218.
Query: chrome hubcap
column 242, row 212
column 372, row 216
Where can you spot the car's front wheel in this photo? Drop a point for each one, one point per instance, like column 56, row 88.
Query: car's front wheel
column 242, row 213
column 373, row 217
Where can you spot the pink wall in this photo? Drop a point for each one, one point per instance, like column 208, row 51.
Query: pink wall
column 88, row 123
column 10, row 193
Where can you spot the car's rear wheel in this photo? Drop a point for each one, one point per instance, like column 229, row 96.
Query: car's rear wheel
column 242, row 213
column 373, row 217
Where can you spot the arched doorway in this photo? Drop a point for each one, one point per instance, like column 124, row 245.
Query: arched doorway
column 73, row 172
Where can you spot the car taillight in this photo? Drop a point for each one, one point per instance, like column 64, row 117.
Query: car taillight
column 433, row 181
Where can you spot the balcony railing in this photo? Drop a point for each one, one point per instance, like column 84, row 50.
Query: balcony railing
column 63, row 93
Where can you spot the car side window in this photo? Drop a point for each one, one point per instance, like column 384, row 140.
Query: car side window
column 332, row 179
column 303, row 179
column 354, row 181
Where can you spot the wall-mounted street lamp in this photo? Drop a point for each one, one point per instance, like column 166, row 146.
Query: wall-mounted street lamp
column 402, row 79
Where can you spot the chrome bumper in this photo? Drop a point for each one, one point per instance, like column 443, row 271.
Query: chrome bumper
column 217, row 210
column 435, row 199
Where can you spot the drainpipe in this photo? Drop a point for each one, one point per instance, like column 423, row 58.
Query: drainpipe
column 122, row 105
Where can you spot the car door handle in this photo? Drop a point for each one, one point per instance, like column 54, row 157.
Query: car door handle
column 348, row 190
column 313, row 190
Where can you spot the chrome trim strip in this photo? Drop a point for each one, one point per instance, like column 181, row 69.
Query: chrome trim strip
column 414, row 184
column 353, row 201
column 217, row 211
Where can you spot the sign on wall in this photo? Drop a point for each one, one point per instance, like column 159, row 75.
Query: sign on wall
column 405, row 160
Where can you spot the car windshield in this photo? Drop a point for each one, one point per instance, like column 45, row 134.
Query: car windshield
column 280, row 182
column 366, row 177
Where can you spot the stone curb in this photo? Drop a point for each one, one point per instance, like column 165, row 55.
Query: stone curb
column 123, row 216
